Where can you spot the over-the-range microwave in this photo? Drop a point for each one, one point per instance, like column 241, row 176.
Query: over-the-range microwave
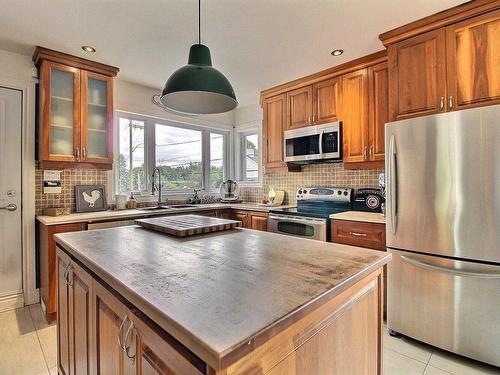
column 314, row 143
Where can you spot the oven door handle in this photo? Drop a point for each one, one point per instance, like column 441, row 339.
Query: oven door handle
column 321, row 143
column 292, row 219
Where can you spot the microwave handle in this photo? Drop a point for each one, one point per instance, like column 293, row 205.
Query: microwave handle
column 321, row 143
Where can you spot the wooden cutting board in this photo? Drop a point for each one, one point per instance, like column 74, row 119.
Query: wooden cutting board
column 187, row 225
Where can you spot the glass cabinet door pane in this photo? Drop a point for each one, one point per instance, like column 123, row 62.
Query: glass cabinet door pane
column 61, row 113
column 97, row 118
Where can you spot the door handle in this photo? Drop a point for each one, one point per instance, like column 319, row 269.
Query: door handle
column 130, row 329
column 393, row 187
column 450, row 102
column 419, row 263
column 84, row 153
column 357, row 234
column 9, row 207
column 120, row 333
column 441, row 103
column 365, row 153
column 77, row 153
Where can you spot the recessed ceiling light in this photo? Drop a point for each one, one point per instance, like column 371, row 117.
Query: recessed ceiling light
column 88, row 49
column 337, row 52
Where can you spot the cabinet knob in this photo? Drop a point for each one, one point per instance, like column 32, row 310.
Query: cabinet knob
column 441, row 103
column 450, row 102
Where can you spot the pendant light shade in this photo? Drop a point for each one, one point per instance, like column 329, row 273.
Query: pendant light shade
column 198, row 88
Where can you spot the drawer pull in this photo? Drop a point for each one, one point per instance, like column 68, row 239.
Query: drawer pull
column 357, row 234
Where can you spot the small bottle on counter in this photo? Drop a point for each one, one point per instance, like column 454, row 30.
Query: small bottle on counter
column 132, row 202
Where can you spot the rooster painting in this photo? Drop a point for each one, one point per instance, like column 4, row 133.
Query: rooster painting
column 92, row 198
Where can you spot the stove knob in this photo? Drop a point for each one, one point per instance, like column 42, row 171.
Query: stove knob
column 339, row 192
column 346, row 193
column 305, row 191
column 300, row 191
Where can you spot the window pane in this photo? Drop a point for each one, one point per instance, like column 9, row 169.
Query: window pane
column 216, row 160
column 250, row 157
column 178, row 154
column 131, row 158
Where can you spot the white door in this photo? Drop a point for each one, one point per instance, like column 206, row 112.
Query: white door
column 11, row 285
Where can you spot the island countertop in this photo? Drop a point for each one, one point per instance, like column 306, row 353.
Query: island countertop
column 221, row 293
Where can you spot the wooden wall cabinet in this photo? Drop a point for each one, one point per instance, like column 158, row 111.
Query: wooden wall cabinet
column 327, row 101
column 445, row 62
column 273, row 126
column 75, row 111
column 299, row 108
column 473, row 61
column 364, row 114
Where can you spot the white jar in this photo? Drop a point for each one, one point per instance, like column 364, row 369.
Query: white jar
column 121, row 201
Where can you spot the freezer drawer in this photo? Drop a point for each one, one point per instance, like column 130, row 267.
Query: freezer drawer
column 450, row 304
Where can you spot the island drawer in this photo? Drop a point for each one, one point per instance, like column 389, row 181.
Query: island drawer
column 358, row 233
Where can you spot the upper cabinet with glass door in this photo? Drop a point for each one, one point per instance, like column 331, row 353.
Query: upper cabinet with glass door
column 75, row 112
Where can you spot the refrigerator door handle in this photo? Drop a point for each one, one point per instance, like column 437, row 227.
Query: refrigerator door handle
column 393, row 176
column 419, row 263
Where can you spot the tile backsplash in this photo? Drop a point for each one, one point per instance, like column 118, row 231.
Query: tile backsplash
column 329, row 174
column 69, row 178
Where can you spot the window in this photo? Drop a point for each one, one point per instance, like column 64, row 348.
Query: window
column 189, row 157
column 249, row 155
column 131, row 169
column 179, row 156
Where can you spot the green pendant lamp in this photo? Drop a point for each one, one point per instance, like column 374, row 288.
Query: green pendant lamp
column 198, row 88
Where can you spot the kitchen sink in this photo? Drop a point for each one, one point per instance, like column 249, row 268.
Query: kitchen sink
column 154, row 208
column 182, row 206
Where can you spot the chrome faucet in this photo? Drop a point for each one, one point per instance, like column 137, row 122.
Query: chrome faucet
column 155, row 186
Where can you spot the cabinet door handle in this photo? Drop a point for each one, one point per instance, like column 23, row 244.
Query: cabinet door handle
column 309, row 120
column 66, row 272
column 450, row 102
column 84, row 153
column 120, row 332
column 77, row 153
column 365, row 153
column 130, row 329
column 314, row 119
column 370, row 152
column 441, row 103
column 357, row 234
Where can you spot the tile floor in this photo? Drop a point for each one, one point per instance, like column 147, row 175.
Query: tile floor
column 28, row 347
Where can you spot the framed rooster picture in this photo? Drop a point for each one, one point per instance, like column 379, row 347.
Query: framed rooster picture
column 90, row 198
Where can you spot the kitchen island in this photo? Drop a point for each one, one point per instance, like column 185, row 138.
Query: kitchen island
column 241, row 301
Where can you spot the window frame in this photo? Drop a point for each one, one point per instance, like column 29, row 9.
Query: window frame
column 150, row 151
column 239, row 152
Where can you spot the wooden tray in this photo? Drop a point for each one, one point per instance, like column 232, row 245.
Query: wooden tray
column 187, row 225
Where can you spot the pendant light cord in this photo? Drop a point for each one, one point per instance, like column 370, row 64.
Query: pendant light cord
column 199, row 21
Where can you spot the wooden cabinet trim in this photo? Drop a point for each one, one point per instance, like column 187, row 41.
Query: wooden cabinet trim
column 438, row 20
column 44, row 54
column 378, row 106
column 360, row 63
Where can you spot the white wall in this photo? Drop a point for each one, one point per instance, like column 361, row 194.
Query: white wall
column 247, row 116
column 16, row 66
column 134, row 98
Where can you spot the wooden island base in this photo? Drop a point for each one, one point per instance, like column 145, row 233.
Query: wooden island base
column 100, row 332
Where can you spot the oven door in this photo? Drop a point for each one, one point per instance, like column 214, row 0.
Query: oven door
column 304, row 227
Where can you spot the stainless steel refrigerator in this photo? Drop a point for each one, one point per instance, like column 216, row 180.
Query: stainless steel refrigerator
column 443, row 229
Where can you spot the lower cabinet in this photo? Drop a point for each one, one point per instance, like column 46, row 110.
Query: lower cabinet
column 74, row 320
column 251, row 219
column 99, row 333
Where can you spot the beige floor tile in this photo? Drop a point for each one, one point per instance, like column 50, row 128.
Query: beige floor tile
column 407, row 346
column 398, row 364
column 20, row 351
column 47, row 335
column 435, row 371
column 459, row 365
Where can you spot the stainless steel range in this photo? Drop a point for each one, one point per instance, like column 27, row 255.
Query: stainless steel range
column 310, row 219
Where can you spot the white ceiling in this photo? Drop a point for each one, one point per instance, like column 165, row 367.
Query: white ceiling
column 255, row 43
